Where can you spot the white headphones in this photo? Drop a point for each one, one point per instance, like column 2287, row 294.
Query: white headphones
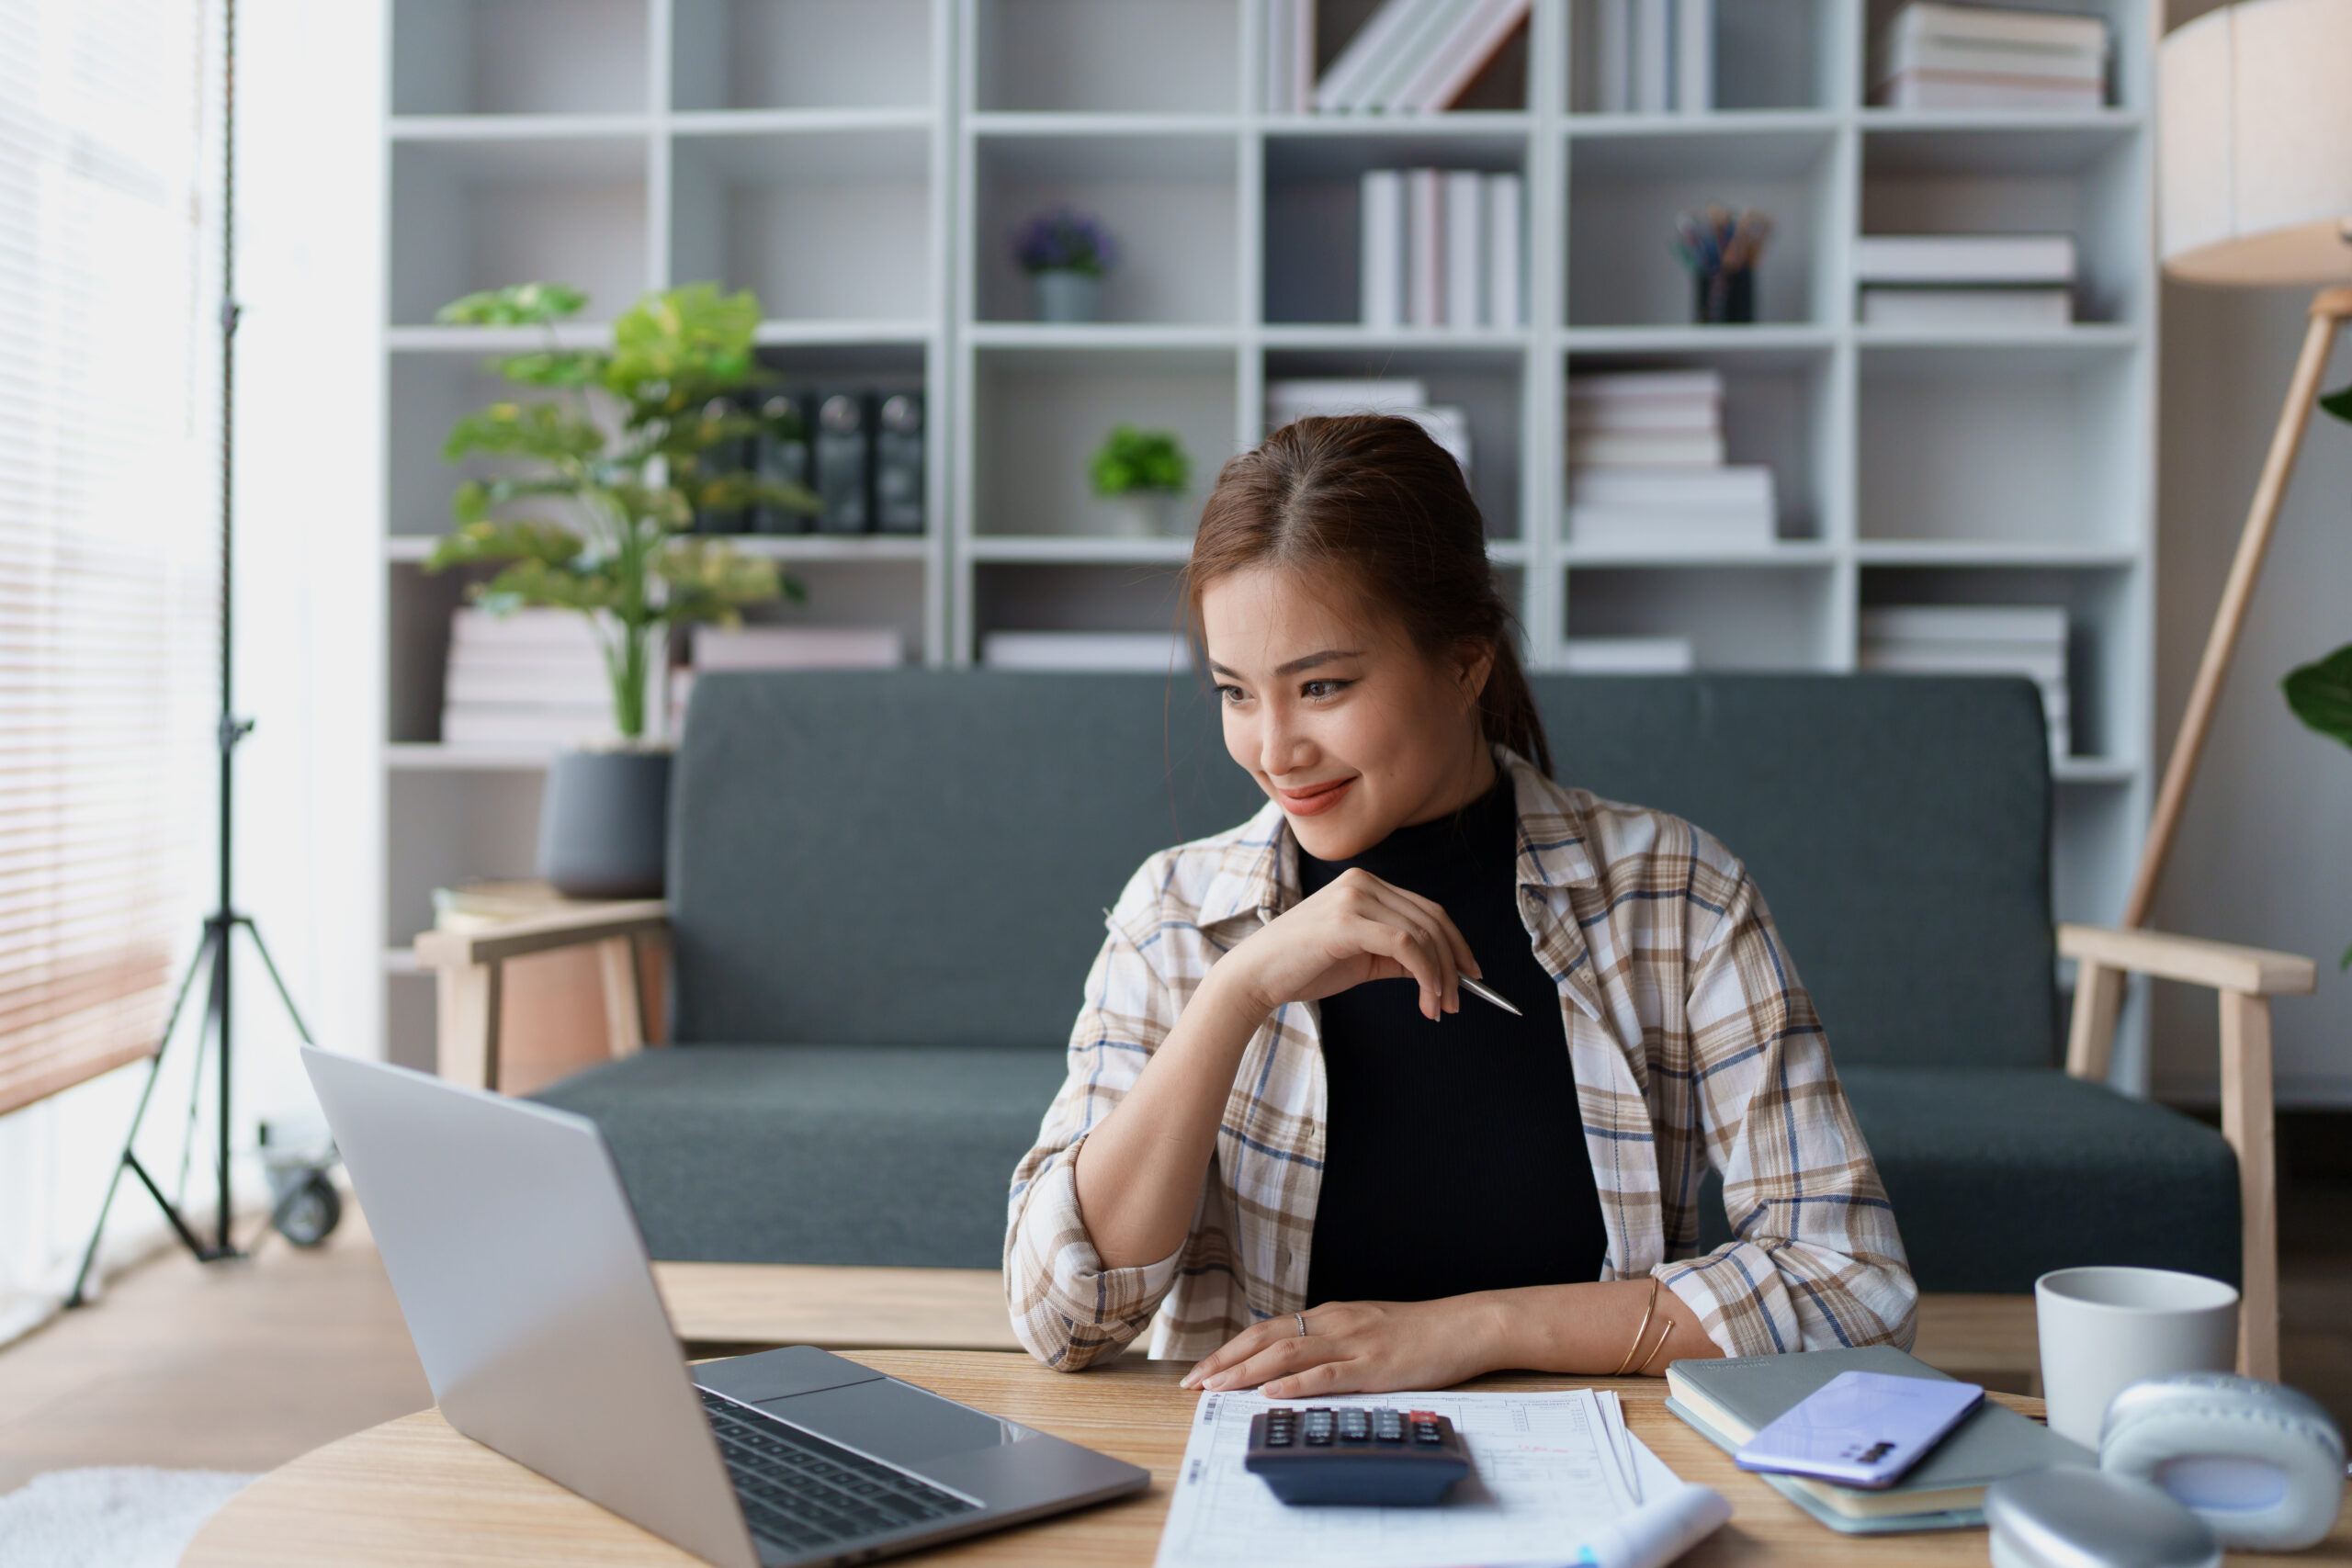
column 2260, row 1464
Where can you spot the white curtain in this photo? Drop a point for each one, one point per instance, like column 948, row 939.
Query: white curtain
column 109, row 501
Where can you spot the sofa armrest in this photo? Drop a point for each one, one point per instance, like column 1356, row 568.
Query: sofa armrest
column 468, row 968
column 2218, row 965
column 2245, row 979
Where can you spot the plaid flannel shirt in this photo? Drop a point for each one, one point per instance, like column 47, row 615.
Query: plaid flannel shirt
column 1693, row 1042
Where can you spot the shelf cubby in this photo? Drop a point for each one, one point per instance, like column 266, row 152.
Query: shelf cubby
column 1085, row 56
column 2105, row 647
column 2131, row 45
column 880, row 590
column 1039, row 414
column 774, row 213
column 1782, row 407
column 2024, row 444
column 800, row 54
column 2082, row 178
column 1625, row 187
column 1761, row 616
column 1075, row 596
column 1169, row 200
column 460, row 826
column 513, row 57
column 1486, row 383
column 1314, row 206
column 1768, row 54
column 480, row 214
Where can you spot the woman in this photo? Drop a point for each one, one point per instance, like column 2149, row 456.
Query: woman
column 1290, row 1137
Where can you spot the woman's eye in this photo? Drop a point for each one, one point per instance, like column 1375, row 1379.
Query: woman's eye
column 1229, row 693
column 1316, row 691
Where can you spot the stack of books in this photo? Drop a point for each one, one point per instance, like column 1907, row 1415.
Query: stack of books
column 1646, row 470
column 1934, row 56
column 1441, row 248
column 1652, row 56
column 1409, row 399
column 1147, row 653
column 1409, row 57
column 1977, row 639
column 1728, row 1402
column 532, row 677
column 1966, row 282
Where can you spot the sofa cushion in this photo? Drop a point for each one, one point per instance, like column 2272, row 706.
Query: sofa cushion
column 1999, row 1176
column 1898, row 825
column 818, row 1154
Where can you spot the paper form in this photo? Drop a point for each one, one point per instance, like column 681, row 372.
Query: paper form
column 1549, row 1471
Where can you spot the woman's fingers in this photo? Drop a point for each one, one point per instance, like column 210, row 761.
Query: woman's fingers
column 1239, row 1348
column 1463, row 958
column 1435, row 929
column 1283, row 1357
column 1414, row 953
column 1338, row 1375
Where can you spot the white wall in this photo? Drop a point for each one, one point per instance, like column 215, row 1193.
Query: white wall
column 2265, row 851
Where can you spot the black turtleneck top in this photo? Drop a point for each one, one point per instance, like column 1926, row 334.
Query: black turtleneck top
column 1454, row 1157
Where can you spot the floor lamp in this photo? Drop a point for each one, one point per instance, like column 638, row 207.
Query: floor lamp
column 2255, row 185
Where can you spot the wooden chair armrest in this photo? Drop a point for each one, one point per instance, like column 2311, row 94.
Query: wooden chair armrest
column 539, row 933
column 2221, row 966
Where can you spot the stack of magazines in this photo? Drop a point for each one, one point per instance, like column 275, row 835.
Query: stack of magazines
column 1934, row 56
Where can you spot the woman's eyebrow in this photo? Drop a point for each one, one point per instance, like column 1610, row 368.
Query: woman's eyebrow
column 1296, row 666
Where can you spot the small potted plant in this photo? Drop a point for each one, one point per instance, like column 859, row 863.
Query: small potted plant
column 1143, row 474
column 601, row 477
column 1065, row 253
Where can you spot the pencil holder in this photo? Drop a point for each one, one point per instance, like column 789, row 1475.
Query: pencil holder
column 1720, row 298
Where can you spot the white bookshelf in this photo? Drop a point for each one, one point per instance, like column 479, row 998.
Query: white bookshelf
column 864, row 163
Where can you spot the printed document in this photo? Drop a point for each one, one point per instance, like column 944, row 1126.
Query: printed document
column 1550, row 1472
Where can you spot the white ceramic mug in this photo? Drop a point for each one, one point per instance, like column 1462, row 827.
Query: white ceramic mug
column 2103, row 1329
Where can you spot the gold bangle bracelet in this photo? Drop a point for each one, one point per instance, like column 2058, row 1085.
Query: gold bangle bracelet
column 1647, row 1313
column 1664, row 1332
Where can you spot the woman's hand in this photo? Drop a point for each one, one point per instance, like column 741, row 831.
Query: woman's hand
column 1358, row 1348
column 1358, row 928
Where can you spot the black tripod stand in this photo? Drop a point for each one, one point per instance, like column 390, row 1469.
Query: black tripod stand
column 221, row 926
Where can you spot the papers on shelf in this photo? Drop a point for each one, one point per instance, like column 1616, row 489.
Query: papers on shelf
column 1149, row 653
column 1646, row 471
column 1976, row 640
column 530, row 677
column 1934, row 56
column 1968, row 310
column 1964, row 258
column 1558, row 1479
column 1448, row 427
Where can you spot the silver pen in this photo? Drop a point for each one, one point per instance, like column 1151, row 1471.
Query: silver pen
column 1487, row 993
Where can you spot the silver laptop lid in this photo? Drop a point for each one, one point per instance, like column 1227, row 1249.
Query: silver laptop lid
column 523, row 1278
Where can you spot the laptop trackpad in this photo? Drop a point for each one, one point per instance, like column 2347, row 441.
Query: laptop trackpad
column 893, row 1421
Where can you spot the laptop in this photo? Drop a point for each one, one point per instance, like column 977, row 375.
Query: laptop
column 523, row 1275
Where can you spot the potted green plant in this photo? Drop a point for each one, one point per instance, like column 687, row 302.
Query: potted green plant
column 2320, row 693
column 601, row 477
column 1143, row 474
column 1065, row 253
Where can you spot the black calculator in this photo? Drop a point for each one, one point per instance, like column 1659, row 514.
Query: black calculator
column 1397, row 1457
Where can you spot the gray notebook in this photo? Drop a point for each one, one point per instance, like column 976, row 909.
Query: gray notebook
column 1728, row 1401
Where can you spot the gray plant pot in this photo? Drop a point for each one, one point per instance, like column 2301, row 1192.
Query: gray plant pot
column 1064, row 296
column 605, row 823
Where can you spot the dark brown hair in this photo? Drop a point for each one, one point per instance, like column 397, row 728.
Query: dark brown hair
column 1372, row 497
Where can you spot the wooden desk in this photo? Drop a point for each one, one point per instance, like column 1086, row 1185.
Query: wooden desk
column 411, row 1492
column 761, row 1305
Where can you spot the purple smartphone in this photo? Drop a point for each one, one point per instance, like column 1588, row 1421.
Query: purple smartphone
column 1861, row 1429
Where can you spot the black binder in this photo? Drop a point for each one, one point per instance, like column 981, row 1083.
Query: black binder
column 898, row 464
column 844, row 454
column 782, row 455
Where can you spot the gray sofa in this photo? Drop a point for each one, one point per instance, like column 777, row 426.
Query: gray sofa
column 885, row 891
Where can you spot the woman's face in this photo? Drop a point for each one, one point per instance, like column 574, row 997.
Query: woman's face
column 1340, row 718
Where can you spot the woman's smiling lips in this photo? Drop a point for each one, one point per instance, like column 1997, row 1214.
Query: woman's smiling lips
column 1314, row 799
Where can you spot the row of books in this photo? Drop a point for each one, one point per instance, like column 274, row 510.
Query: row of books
column 1408, row 56
column 538, row 677
column 861, row 451
column 1976, row 640
column 1404, row 396
column 1652, row 56
column 1936, row 56
column 1646, row 467
column 1441, row 248
column 1937, row 282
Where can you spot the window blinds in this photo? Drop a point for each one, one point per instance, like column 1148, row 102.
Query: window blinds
column 108, row 517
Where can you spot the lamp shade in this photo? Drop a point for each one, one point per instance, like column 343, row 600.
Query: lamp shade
column 2254, row 144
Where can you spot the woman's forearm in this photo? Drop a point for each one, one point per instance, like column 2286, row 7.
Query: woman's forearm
column 1139, row 1172
column 1587, row 1329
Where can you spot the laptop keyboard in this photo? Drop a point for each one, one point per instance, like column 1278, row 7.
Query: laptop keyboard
column 802, row 1492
